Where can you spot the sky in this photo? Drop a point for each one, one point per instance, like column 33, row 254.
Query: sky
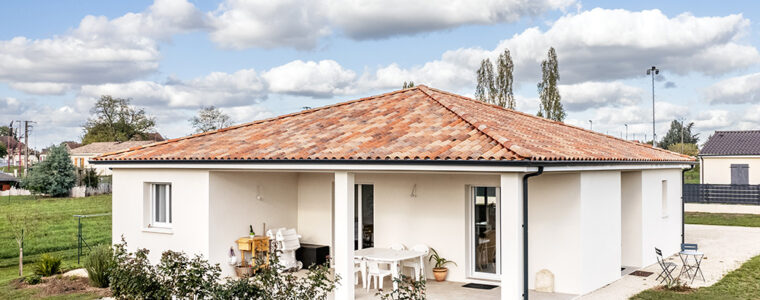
column 259, row 59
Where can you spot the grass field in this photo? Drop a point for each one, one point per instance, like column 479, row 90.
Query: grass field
column 55, row 232
column 692, row 176
column 742, row 283
column 747, row 220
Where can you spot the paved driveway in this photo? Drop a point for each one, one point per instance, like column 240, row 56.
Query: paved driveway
column 725, row 248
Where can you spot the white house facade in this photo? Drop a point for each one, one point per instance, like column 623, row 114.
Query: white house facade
column 413, row 166
column 731, row 157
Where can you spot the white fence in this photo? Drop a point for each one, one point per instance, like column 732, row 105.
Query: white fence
column 82, row 191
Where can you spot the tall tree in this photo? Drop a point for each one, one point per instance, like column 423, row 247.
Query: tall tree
column 548, row 91
column 485, row 90
column 409, row 84
column 503, row 82
column 674, row 135
column 210, row 118
column 115, row 120
column 5, row 131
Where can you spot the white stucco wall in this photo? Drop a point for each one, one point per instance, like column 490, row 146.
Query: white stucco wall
column 632, row 220
column 190, row 194
column 315, row 192
column 660, row 230
column 717, row 170
column 234, row 205
column 600, row 229
column 554, row 211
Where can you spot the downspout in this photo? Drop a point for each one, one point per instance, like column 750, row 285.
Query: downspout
column 683, row 204
column 525, row 228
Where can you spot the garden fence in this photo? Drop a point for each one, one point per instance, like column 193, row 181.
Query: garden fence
column 722, row 193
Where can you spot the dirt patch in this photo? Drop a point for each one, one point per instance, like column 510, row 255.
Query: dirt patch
column 59, row 285
column 679, row 289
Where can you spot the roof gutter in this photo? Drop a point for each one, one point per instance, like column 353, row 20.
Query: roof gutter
column 525, row 227
column 511, row 163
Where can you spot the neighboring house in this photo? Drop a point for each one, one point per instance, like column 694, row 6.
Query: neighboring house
column 7, row 181
column 81, row 156
column 731, row 157
column 421, row 166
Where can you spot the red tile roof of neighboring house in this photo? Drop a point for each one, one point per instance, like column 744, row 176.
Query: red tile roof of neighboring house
column 419, row 123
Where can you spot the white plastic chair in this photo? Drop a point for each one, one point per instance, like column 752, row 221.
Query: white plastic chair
column 397, row 246
column 376, row 273
column 360, row 268
column 419, row 270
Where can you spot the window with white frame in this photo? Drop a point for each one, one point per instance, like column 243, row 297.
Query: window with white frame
column 161, row 204
column 664, row 198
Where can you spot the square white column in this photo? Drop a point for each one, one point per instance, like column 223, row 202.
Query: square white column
column 344, row 234
column 511, row 211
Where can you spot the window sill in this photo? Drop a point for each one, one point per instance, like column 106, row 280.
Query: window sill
column 158, row 230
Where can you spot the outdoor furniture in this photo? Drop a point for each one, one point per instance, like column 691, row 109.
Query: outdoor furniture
column 691, row 267
column 667, row 268
column 397, row 246
column 312, row 254
column 258, row 247
column 419, row 269
column 360, row 267
column 389, row 256
column 378, row 274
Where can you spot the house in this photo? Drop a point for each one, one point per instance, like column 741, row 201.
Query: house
column 731, row 157
column 80, row 156
column 7, row 181
column 418, row 165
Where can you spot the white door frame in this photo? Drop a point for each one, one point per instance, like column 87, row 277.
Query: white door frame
column 470, row 211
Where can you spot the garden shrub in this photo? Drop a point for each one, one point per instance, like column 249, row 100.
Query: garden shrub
column 187, row 278
column 33, row 279
column 48, row 265
column 133, row 276
column 99, row 266
column 408, row 289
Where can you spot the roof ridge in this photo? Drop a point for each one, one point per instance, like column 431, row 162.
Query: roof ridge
column 469, row 122
column 233, row 127
column 557, row 122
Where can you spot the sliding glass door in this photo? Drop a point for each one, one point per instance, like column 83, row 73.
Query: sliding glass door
column 364, row 212
column 484, row 232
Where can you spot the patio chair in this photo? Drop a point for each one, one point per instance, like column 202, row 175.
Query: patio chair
column 667, row 268
column 359, row 269
column 693, row 247
column 287, row 242
column 415, row 263
column 397, row 246
column 376, row 273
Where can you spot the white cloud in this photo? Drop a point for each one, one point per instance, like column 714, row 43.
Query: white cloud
column 734, row 90
column 221, row 89
column 99, row 50
column 592, row 94
column 316, row 79
column 710, row 120
column 379, row 19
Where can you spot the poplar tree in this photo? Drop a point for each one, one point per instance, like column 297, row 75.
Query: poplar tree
column 503, row 82
column 551, row 107
column 485, row 90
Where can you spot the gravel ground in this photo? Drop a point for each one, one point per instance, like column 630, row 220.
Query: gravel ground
column 725, row 248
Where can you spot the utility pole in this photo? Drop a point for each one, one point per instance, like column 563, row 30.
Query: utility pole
column 26, row 148
column 10, row 150
column 653, row 71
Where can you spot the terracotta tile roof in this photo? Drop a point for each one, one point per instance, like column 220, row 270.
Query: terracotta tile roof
column 419, row 123
column 107, row 147
column 746, row 142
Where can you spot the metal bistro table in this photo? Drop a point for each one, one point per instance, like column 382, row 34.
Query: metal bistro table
column 385, row 255
column 691, row 267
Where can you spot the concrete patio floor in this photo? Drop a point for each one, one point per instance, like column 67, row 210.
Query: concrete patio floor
column 725, row 247
column 454, row 290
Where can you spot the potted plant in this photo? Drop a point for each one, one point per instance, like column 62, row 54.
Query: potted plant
column 439, row 270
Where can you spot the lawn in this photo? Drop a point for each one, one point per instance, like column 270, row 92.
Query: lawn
column 742, row 283
column 55, row 232
column 747, row 220
column 692, row 176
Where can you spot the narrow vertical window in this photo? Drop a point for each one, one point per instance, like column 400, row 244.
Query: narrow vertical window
column 161, row 204
column 664, row 198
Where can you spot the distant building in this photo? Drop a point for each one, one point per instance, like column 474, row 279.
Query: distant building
column 80, row 156
column 731, row 157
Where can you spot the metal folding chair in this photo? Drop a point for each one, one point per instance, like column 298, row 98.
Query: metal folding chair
column 685, row 247
column 667, row 268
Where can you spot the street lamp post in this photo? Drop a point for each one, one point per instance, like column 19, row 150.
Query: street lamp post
column 653, row 71
column 591, row 125
column 626, row 131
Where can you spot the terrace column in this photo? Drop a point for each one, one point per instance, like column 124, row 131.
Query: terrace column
column 344, row 234
column 511, row 211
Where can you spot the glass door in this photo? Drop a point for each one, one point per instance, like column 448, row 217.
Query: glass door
column 484, row 232
column 364, row 205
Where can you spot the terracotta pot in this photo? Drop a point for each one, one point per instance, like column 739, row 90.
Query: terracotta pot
column 440, row 273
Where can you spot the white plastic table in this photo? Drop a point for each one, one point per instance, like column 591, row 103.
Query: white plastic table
column 393, row 257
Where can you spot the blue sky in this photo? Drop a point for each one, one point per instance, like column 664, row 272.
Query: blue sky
column 258, row 59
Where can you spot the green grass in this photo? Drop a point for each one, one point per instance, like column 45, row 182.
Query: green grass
column 692, row 176
column 9, row 170
column 747, row 220
column 55, row 233
column 742, row 283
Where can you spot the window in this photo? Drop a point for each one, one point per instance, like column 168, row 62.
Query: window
column 161, row 204
column 664, row 198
